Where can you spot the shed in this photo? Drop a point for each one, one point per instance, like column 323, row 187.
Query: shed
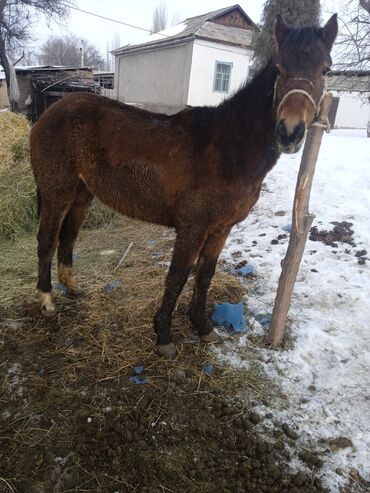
column 39, row 87
column 106, row 82
column 197, row 62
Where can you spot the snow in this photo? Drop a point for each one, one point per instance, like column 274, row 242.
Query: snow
column 325, row 376
column 166, row 33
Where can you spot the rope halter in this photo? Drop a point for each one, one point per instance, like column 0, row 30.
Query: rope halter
column 318, row 122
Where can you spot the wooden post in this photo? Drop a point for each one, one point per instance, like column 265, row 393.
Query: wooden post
column 301, row 224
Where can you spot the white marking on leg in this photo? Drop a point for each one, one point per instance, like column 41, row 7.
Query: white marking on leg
column 46, row 300
column 67, row 278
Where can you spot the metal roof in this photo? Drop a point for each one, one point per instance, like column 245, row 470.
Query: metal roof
column 349, row 81
column 200, row 27
column 51, row 68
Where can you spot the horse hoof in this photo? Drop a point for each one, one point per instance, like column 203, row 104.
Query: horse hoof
column 48, row 311
column 211, row 338
column 48, row 308
column 168, row 351
column 77, row 294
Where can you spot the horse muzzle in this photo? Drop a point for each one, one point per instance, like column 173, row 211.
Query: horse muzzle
column 290, row 140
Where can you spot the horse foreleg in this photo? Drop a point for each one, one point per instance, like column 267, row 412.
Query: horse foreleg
column 184, row 256
column 205, row 272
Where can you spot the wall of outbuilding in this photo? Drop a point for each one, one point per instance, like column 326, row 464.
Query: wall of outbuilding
column 353, row 110
column 155, row 79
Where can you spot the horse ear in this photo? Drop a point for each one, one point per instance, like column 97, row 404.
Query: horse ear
column 280, row 30
column 330, row 30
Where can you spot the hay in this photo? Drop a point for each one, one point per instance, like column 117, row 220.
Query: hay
column 14, row 133
column 18, row 206
column 109, row 333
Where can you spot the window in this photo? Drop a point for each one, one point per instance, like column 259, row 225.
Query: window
column 222, row 77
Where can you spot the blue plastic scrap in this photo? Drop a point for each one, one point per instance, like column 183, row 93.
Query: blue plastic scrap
column 157, row 254
column 287, row 227
column 208, row 369
column 112, row 285
column 230, row 316
column 263, row 318
column 61, row 287
column 138, row 378
column 245, row 271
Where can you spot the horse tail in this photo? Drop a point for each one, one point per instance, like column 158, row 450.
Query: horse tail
column 38, row 201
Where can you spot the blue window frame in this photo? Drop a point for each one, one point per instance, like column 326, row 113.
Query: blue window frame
column 222, row 77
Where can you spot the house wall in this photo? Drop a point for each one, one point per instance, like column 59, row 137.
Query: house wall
column 156, row 79
column 353, row 110
column 205, row 55
column 4, row 101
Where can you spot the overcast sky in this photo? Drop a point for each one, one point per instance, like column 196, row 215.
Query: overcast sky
column 139, row 13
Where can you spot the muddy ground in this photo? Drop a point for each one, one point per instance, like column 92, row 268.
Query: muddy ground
column 72, row 419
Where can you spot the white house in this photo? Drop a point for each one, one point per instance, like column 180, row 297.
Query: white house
column 197, row 62
column 351, row 102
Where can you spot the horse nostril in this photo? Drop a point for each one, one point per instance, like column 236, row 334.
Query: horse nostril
column 282, row 132
column 298, row 132
column 285, row 138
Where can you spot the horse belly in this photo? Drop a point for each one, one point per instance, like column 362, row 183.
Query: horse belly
column 133, row 189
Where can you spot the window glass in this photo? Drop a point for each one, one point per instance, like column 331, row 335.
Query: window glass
column 222, row 77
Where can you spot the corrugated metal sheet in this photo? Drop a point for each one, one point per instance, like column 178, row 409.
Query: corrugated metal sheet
column 225, row 34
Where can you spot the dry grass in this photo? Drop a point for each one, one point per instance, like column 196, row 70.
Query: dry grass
column 116, row 327
column 14, row 132
column 102, row 337
column 18, row 207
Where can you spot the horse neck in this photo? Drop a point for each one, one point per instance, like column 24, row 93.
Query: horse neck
column 248, row 120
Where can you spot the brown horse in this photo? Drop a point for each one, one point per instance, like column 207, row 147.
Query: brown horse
column 199, row 171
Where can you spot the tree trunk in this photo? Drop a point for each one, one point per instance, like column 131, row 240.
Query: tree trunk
column 301, row 224
column 4, row 61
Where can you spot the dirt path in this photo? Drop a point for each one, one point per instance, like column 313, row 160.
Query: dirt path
column 72, row 418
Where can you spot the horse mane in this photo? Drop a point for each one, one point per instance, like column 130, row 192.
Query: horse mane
column 253, row 95
column 300, row 37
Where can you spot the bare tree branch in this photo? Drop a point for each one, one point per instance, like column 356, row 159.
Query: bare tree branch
column 65, row 50
column 352, row 51
column 159, row 18
column 16, row 19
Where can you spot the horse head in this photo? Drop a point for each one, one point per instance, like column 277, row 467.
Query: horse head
column 303, row 60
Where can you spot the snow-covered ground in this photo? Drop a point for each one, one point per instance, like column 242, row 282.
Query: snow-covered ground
column 326, row 375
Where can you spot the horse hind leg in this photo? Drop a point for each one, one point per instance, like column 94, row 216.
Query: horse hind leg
column 51, row 217
column 67, row 237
